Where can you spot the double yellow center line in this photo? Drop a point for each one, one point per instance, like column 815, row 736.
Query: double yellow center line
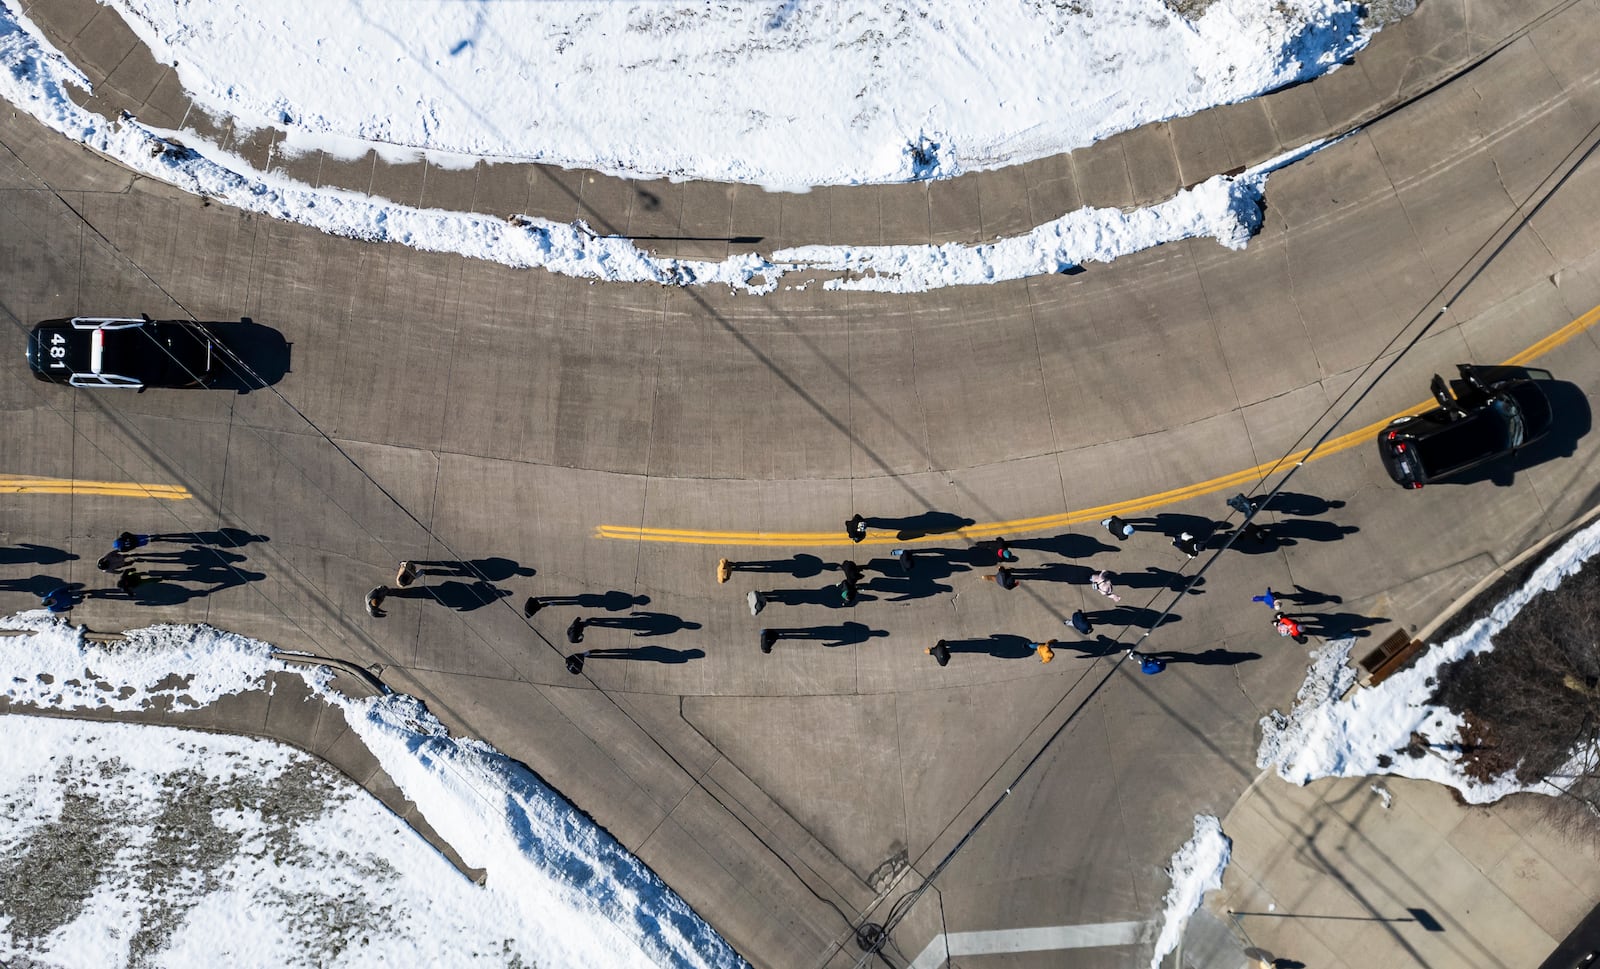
column 1236, row 481
column 23, row 484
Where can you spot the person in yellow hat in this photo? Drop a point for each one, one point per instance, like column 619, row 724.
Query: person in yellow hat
column 1046, row 650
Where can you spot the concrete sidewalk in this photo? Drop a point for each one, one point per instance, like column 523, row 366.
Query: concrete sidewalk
column 1329, row 875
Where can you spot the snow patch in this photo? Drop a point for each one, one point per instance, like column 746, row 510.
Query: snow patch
column 36, row 78
column 1196, row 868
column 785, row 95
column 566, row 884
column 1322, row 736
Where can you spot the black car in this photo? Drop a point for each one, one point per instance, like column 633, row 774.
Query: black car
column 1476, row 421
column 125, row 353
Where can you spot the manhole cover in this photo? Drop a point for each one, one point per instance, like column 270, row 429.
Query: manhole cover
column 870, row 937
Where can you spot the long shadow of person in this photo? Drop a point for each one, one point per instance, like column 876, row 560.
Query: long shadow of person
column 36, row 585
column 802, row 566
column 612, row 601
column 1102, row 646
column 1066, row 572
column 211, row 576
column 1000, row 645
column 1291, row 531
column 1211, row 657
column 29, row 553
column 645, row 623
column 899, row 586
column 454, row 594
column 492, row 569
column 828, row 595
column 1338, row 625
column 1297, row 503
column 1173, row 524
column 1306, row 597
column 844, row 634
column 1068, row 545
column 647, row 654
column 1158, row 578
column 222, row 537
column 918, row 526
column 1126, row 615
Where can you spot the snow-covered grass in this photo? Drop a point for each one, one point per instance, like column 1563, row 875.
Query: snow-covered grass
column 1196, row 868
column 783, row 93
column 137, row 845
column 559, row 890
column 1323, row 736
column 36, row 78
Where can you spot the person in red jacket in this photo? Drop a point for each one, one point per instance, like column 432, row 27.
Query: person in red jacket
column 1286, row 626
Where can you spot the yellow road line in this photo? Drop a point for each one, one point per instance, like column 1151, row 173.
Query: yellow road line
column 1237, row 481
column 20, row 484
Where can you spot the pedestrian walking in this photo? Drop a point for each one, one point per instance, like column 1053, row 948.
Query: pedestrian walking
column 128, row 541
column 1080, row 622
column 939, row 651
column 768, row 638
column 1270, row 600
column 856, row 529
column 1046, row 650
column 852, row 572
column 1117, row 527
column 1287, row 626
column 1242, row 505
column 58, row 599
column 374, row 601
column 1252, row 532
column 1003, row 578
column 724, row 570
column 407, row 573
column 847, row 591
column 1149, row 665
column 1101, row 581
column 575, row 631
column 130, row 580
column 533, row 605
column 1002, row 551
column 114, row 562
column 905, row 558
column 756, row 600
column 575, row 662
column 1188, row 544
